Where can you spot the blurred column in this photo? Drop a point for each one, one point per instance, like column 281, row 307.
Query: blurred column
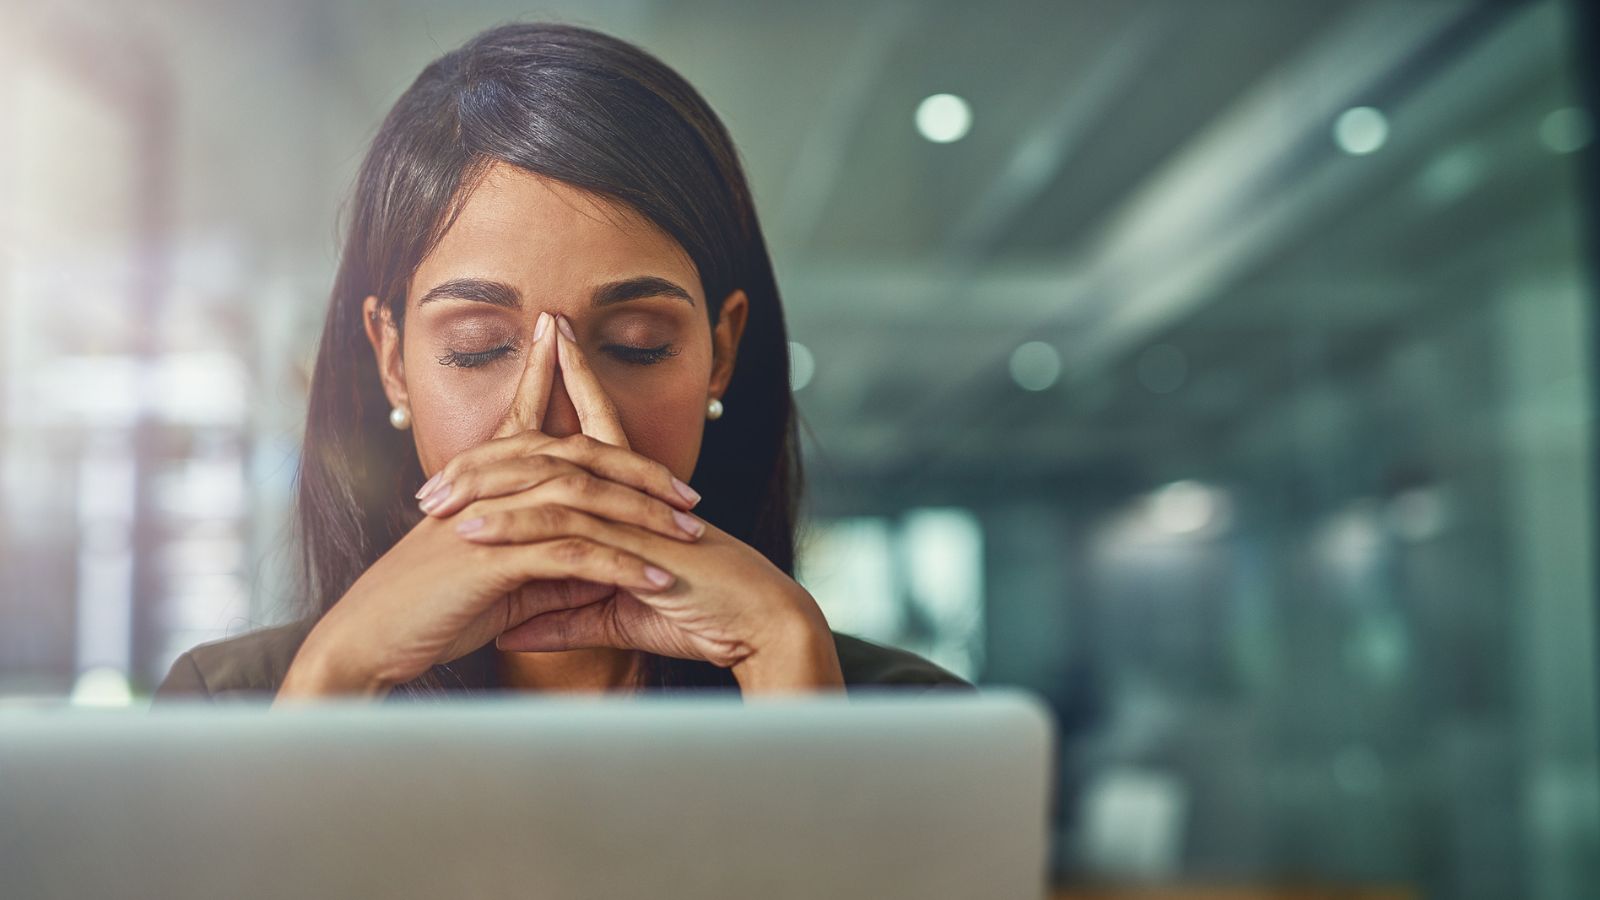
column 1034, row 634
column 1549, row 473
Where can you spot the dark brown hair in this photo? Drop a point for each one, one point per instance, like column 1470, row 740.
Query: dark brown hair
column 599, row 114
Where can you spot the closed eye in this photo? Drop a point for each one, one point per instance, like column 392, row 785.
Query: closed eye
column 471, row 360
column 641, row 356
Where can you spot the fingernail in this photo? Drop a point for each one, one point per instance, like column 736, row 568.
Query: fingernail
column 428, row 485
column 658, row 577
column 470, row 525
column 688, row 493
column 438, row 496
column 566, row 327
column 541, row 326
column 689, row 523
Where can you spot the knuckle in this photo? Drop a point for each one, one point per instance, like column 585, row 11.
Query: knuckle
column 520, row 444
column 521, row 473
column 584, row 443
column 536, row 471
column 450, row 470
column 623, row 561
column 578, row 483
column 663, row 475
column 572, row 550
column 550, row 519
column 653, row 510
column 567, row 469
column 542, row 465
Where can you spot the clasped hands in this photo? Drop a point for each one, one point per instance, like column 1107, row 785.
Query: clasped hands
column 572, row 542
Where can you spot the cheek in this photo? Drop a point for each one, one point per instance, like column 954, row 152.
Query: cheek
column 447, row 418
column 663, row 413
column 663, row 416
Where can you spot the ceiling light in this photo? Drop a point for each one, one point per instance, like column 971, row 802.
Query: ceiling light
column 1361, row 130
column 1567, row 130
column 943, row 118
column 1035, row 366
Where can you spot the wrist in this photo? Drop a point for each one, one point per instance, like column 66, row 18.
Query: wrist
column 798, row 655
column 321, row 669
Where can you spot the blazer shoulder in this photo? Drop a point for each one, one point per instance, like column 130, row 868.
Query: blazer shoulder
column 249, row 665
column 252, row 665
column 866, row 664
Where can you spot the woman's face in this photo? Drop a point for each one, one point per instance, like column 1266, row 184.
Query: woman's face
column 525, row 244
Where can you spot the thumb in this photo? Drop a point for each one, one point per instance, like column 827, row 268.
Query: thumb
column 532, row 397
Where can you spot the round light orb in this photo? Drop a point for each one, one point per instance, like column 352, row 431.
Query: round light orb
column 1035, row 366
column 1567, row 130
column 944, row 118
column 1360, row 130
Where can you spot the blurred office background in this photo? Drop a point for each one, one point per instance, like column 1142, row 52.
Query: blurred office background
column 1220, row 370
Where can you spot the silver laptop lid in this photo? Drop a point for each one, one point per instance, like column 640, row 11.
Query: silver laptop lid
column 533, row 796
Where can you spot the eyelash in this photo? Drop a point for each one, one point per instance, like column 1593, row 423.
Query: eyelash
column 473, row 360
column 639, row 356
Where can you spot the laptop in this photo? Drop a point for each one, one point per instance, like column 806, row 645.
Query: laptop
column 874, row 796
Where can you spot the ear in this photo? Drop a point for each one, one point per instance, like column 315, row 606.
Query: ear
column 385, row 340
column 725, row 340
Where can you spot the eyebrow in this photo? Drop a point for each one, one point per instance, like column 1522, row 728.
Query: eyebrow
column 498, row 293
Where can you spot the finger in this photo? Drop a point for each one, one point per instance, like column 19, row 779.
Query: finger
column 596, row 413
column 546, row 595
column 583, row 627
column 620, row 620
column 532, row 398
column 498, row 478
column 604, row 460
column 494, row 522
column 572, row 556
column 549, row 482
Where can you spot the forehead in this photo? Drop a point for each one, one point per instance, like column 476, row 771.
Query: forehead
column 550, row 240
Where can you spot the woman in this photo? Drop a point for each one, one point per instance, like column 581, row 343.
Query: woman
column 554, row 310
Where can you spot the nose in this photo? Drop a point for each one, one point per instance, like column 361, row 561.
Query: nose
column 561, row 418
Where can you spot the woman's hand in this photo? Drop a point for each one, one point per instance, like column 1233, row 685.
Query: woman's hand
column 434, row 597
column 727, row 603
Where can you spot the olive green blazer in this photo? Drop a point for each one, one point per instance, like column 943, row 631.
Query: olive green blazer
column 252, row 665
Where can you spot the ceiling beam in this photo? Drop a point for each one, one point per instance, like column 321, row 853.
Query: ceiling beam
column 1060, row 130
column 1241, row 190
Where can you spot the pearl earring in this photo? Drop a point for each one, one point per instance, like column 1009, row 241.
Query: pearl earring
column 714, row 409
column 400, row 418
